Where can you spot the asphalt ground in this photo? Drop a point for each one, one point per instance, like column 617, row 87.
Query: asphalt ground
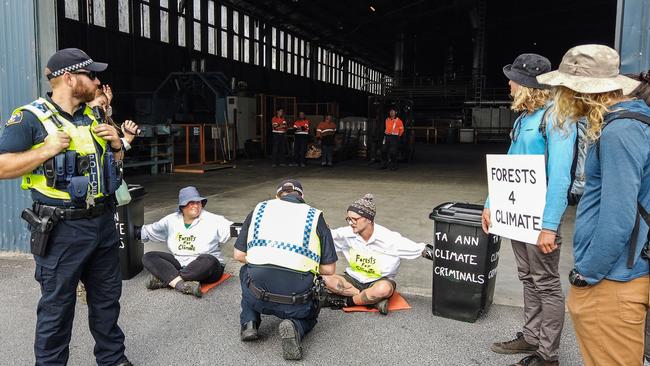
column 164, row 327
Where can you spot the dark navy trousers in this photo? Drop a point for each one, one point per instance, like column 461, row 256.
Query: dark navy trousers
column 304, row 316
column 86, row 250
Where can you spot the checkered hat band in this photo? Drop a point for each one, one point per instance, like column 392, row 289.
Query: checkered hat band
column 71, row 68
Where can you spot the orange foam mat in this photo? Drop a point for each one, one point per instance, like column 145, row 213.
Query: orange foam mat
column 396, row 302
column 205, row 287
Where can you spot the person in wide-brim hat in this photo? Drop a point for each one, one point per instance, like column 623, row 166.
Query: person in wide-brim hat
column 609, row 281
column 590, row 69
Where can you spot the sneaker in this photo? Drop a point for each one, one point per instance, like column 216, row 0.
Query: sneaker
column 517, row 345
column 192, row 288
column 302, row 165
column 291, row 348
column 335, row 302
column 274, row 165
column 283, row 164
column 249, row 331
column 535, row 360
column 382, row 306
column 323, row 164
column 292, row 164
column 155, row 283
column 330, row 164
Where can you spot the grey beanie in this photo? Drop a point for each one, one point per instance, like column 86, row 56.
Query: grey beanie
column 365, row 207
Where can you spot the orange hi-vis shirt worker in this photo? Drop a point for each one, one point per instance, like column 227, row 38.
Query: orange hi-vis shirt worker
column 302, row 126
column 326, row 128
column 279, row 124
column 394, row 126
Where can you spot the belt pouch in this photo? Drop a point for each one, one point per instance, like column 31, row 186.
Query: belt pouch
column 70, row 165
column 59, row 170
column 48, row 171
column 112, row 177
column 78, row 189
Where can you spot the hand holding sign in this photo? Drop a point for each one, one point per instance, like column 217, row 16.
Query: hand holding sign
column 517, row 188
column 485, row 220
column 546, row 241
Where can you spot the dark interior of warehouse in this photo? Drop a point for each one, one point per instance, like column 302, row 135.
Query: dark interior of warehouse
column 230, row 64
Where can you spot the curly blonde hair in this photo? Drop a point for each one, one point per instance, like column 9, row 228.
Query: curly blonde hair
column 529, row 99
column 570, row 105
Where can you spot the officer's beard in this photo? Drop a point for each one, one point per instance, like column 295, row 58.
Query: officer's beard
column 84, row 93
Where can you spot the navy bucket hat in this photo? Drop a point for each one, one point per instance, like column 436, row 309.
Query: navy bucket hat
column 525, row 68
column 190, row 194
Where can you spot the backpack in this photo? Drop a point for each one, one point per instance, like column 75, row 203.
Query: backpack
column 577, row 186
column 641, row 212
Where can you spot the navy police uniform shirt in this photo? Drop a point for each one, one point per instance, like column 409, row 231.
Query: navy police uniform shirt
column 23, row 130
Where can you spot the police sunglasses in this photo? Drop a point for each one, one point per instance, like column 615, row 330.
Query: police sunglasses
column 90, row 74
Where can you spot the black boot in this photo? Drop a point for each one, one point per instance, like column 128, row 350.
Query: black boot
column 249, row 331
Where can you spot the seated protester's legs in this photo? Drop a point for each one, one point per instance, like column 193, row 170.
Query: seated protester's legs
column 379, row 290
column 165, row 271
column 205, row 268
column 161, row 265
column 339, row 285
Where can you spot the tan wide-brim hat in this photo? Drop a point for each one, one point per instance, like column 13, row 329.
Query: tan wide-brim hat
column 589, row 69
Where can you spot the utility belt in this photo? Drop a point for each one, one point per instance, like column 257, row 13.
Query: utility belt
column 313, row 294
column 42, row 219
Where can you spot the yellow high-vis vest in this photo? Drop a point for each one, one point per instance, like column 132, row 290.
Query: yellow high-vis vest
column 284, row 234
column 82, row 141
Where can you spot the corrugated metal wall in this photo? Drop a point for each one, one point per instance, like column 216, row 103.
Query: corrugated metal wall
column 633, row 35
column 18, row 85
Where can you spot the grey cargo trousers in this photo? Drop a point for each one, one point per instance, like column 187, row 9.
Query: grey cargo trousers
column 543, row 297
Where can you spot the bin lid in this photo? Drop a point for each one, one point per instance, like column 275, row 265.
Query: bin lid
column 458, row 212
column 136, row 190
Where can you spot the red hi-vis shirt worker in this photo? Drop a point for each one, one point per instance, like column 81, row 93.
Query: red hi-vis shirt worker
column 302, row 126
column 279, row 124
column 394, row 126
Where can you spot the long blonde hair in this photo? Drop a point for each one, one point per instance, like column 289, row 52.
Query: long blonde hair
column 529, row 99
column 570, row 105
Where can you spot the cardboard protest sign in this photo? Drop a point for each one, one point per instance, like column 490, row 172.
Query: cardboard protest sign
column 517, row 189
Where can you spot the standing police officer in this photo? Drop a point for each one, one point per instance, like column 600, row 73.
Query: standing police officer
column 288, row 246
column 71, row 163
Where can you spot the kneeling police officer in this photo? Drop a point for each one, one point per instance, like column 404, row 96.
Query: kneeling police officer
column 71, row 163
column 285, row 245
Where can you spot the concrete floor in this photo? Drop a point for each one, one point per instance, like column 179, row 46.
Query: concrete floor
column 166, row 328
column 404, row 199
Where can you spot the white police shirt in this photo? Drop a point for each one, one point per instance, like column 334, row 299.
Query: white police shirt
column 377, row 258
column 204, row 236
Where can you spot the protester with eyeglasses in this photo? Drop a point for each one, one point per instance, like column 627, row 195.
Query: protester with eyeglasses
column 374, row 254
column 194, row 237
column 537, row 263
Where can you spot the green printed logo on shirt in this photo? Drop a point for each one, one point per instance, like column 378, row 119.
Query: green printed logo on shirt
column 364, row 263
